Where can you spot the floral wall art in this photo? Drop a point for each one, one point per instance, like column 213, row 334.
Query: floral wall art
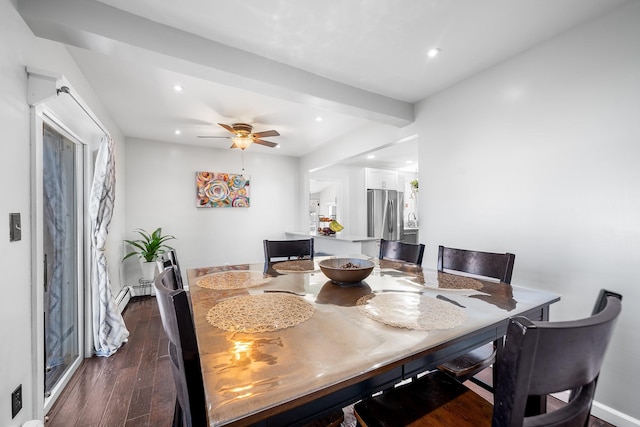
column 222, row 190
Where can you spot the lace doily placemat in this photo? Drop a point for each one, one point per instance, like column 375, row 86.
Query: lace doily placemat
column 232, row 279
column 411, row 311
column 260, row 313
column 296, row 266
column 451, row 282
column 387, row 263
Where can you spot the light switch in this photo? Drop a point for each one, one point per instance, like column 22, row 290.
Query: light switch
column 15, row 228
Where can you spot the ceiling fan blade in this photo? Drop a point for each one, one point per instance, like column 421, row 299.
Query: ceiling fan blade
column 266, row 133
column 263, row 142
column 227, row 127
column 207, row 136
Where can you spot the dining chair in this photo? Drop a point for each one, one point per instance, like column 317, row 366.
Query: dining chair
column 485, row 264
column 539, row 358
column 171, row 259
column 408, row 252
column 171, row 280
column 280, row 250
column 183, row 351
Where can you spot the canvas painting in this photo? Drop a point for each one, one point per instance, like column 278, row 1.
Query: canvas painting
column 222, row 190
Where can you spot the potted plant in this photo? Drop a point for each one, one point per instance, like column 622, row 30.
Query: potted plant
column 147, row 248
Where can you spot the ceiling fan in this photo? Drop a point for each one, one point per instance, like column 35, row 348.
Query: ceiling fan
column 243, row 135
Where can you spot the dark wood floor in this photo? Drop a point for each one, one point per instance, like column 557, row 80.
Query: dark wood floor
column 134, row 387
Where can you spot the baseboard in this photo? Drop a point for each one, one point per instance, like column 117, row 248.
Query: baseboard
column 613, row 416
column 605, row 413
column 563, row 395
column 123, row 297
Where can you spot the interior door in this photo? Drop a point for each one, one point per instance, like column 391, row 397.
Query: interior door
column 62, row 237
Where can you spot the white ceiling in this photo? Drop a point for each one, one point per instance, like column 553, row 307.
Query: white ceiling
column 280, row 64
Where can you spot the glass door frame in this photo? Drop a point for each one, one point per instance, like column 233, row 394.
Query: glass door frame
column 83, row 166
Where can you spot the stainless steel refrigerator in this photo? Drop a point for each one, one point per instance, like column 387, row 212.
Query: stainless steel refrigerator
column 384, row 214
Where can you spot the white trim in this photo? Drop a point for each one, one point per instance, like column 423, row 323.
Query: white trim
column 42, row 85
column 123, row 297
column 41, row 114
column 37, row 270
column 604, row 412
column 613, row 416
column 81, row 245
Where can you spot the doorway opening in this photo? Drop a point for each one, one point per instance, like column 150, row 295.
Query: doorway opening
column 63, row 255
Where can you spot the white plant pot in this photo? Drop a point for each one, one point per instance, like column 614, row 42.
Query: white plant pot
column 148, row 270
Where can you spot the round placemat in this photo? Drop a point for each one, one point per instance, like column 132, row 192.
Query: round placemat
column 260, row 313
column 390, row 264
column 296, row 266
column 232, row 279
column 451, row 282
column 411, row 311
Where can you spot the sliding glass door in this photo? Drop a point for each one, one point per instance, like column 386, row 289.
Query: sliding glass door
column 62, row 247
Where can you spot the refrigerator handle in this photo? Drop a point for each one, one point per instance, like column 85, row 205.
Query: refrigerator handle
column 392, row 218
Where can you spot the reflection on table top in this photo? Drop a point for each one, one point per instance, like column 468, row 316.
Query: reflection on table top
column 250, row 376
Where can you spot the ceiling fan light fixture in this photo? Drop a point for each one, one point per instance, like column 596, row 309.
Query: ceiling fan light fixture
column 242, row 142
column 243, row 135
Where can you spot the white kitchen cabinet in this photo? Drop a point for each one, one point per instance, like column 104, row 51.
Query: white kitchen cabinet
column 381, row 179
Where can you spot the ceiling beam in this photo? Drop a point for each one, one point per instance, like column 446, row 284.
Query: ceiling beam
column 110, row 31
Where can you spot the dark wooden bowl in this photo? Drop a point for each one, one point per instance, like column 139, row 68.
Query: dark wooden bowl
column 334, row 269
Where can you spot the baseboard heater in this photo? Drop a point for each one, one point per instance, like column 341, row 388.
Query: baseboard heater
column 123, row 297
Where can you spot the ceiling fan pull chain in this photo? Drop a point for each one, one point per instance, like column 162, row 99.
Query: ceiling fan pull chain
column 242, row 152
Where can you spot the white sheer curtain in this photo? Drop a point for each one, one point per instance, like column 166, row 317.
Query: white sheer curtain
column 109, row 330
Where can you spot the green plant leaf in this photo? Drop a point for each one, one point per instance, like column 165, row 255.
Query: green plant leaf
column 149, row 245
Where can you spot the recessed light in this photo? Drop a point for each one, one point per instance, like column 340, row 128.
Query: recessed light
column 177, row 132
column 371, row 156
column 319, row 119
column 432, row 53
column 278, row 146
column 409, row 162
column 177, row 88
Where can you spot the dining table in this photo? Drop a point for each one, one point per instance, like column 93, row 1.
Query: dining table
column 285, row 345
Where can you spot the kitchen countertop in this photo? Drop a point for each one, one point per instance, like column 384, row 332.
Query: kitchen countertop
column 338, row 236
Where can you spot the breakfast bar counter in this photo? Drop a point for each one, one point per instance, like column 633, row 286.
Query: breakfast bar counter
column 339, row 244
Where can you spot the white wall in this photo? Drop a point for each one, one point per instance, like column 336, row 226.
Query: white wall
column 18, row 49
column 328, row 197
column 540, row 156
column 161, row 192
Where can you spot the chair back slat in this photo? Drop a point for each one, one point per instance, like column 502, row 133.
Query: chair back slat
column 170, row 259
column 487, row 264
column 408, row 252
column 280, row 250
column 183, row 348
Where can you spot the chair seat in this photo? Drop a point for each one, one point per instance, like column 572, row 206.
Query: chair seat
column 447, row 402
column 468, row 365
